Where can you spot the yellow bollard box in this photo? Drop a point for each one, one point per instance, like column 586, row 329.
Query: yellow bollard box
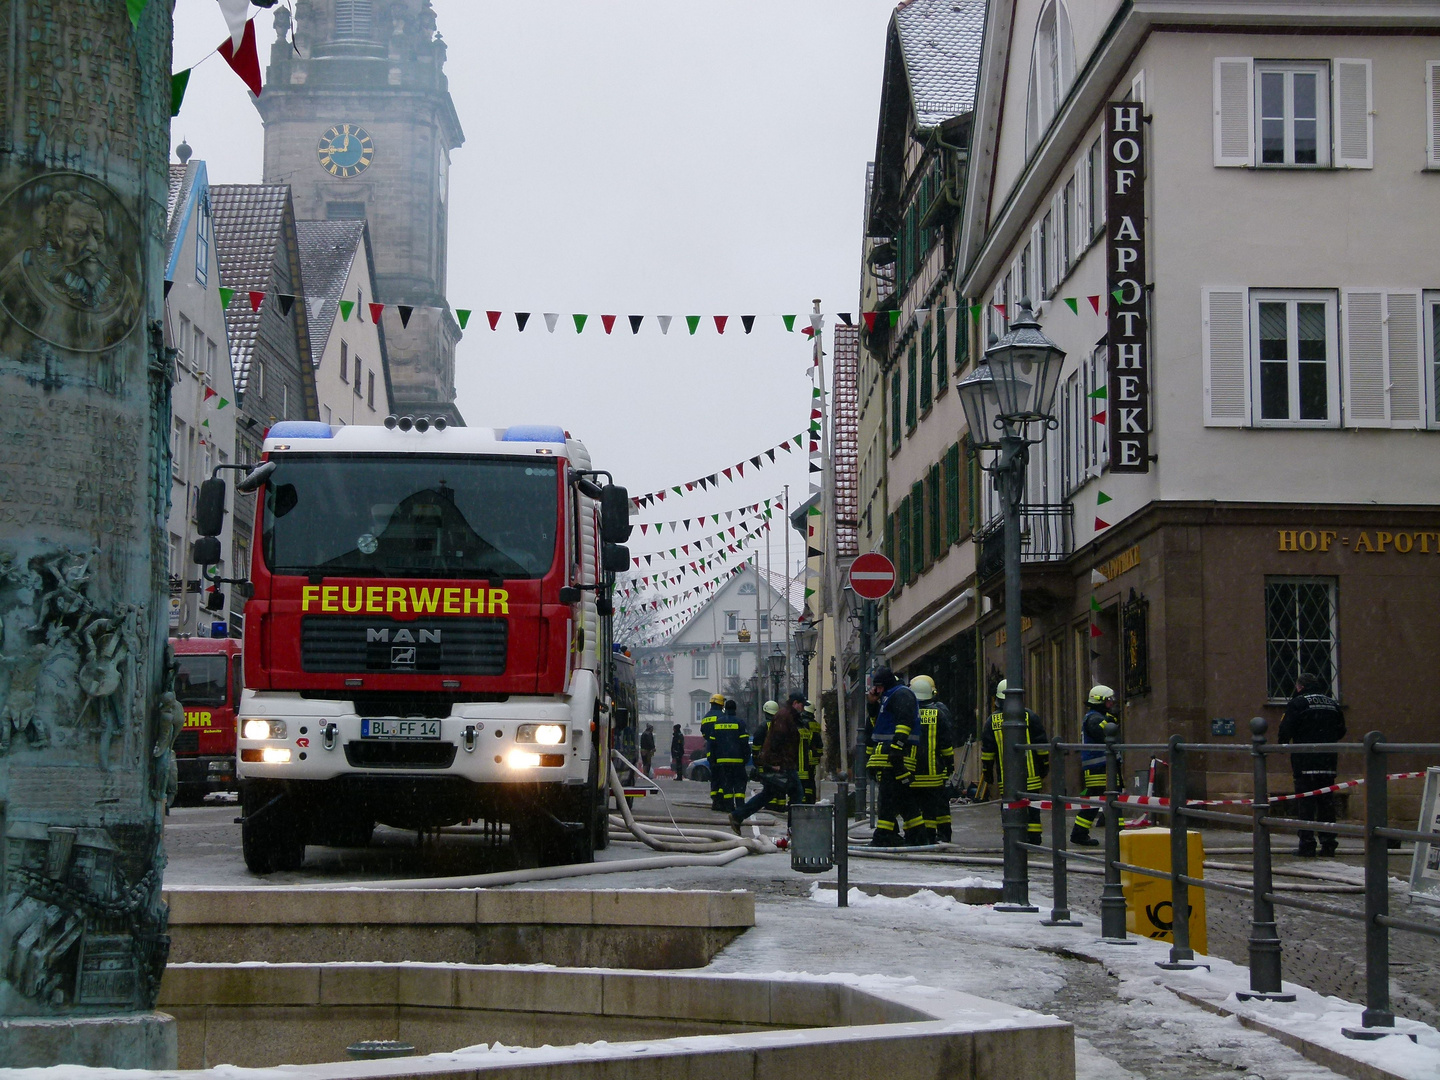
column 1147, row 900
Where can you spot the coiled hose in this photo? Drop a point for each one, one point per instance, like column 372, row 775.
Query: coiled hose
column 672, row 837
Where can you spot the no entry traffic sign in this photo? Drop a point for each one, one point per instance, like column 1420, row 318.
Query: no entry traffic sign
column 872, row 576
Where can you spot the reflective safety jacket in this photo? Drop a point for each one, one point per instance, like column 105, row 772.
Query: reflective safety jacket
column 811, row 747
column 1037, row 762
column 732, row 744
column 894, row 727
column 1092, row 732
column 707, row 730
column 932, row 750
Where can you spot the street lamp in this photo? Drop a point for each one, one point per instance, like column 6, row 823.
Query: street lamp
column 776, row 660
column 805, row 638
column 1002, row 398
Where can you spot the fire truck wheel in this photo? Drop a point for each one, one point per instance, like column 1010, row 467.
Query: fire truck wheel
column 271, row 836
column 527, row 843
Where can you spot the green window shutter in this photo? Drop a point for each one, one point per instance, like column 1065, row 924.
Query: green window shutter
column 962, row 335
column 890, row 537
column 910, row 389
column 902, row 538
column 936, row 519
column 942, row 364
column 952, row 495
column 917, row 528
column 972, row 492
column 927, row 364
column 895, row 409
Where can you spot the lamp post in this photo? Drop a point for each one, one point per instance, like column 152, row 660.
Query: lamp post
column 805, row 639
column 1003, row 397
column 776, row 660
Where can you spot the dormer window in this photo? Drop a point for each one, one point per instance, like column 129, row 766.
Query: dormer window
column 1052, row 70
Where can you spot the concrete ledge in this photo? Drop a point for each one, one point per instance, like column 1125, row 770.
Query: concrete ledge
column 645, row 929
column 747, row 1027
column 130, row 1041
column 966, row 894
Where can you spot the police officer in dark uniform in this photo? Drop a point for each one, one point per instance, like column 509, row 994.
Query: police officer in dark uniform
column 1099, row 720
column 732, row 756
column 932, row 757
column 895, row 720
column 1036, row 763
column 1312, row 716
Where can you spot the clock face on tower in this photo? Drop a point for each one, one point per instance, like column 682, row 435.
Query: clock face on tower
column 346, row 150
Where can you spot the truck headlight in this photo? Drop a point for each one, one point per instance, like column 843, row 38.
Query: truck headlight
column 264, row 729
column 276, row 755
column 523, row 759
column 544, row 734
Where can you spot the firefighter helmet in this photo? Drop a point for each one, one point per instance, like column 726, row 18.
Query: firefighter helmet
column 923, row 687
column 770, row 708
column 1100, row 694
column 717, row 699
column 1000, row 689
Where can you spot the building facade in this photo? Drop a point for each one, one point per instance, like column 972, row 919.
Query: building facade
column 359, row 122
column 1244, row 275
column 352, row 366
column 202, row 399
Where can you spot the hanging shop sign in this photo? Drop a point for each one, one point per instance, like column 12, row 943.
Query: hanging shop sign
column 1128, row 384
column 1374, row 542
column 1134, row 621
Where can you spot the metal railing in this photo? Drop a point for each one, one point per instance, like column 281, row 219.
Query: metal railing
column 1046, row 535
column 1264, row 944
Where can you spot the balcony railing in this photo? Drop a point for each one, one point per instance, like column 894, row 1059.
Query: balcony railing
column 1047, row 535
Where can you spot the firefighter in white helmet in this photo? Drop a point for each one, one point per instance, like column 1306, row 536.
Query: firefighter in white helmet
column 1099, row 720
column 1035, row 763
column 931, row 757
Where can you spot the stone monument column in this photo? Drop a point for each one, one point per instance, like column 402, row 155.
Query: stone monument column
column 86, row 713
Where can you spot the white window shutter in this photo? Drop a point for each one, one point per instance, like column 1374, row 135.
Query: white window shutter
column 1404, row 353
column 1234, row 111
column 1080, row 227
column 1365, row 375
column 1227, row 358
column 1351, row 115
column 1432, row 112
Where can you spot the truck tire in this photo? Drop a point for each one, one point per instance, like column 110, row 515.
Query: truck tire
column 271, row 832
column 527, row 843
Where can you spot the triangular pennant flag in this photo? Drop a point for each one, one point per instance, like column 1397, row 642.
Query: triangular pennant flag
column 789, row 322
column 771, row 454
column 256, row 299
column 405, row 310
column 635, row 321
column 814, row 467
column 1100, row 523
column 462, row 316
column 1073, row 304
column 809, row 592
column 1001, row 309
column 813, row 553
column 521, row 318
column 740, row 468
column 748, row 322
column 1095, row 631
column 168, row 286
column 209, row 393
column 816, row 322
column 720, row 321
column 1097, row 579
column 1094, row 603
column 225, row 296
column 244, row 61
column 1095, row 302
column 234, row 12
column 814, row 511
column 287, row 301
column 1099, row 392
column 1099, row 417
column 659, row 525
column 755, row 461
column 223, row 403
column 607, row 321
column 551, row 318
column 376, row 310
column 664, row 321
column 1101, row 498
column 178, row 82
column 845, row 317
column 975, row 310
column 204, row 423
column 894, row 318
column 869, row 317
column 727, row 477
column 692, row 321
column 1119, row 295
column 808, row 331
column 135, row 8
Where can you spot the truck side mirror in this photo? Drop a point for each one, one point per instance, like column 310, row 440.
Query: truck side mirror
column 604, row 607
column 206, row 550
column 614, row 514
column 215, row 601
column 210, row 508
column 570, row 595
column 616, row 558
column 257, row 476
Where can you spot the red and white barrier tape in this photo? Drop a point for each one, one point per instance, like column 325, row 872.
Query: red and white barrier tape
column 1157, row 800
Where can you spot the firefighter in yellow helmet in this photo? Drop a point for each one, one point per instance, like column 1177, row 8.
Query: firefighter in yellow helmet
column 1099, row 721
column 811, row 750
column 707, row 732
column 931, row 758
column 1035, row 763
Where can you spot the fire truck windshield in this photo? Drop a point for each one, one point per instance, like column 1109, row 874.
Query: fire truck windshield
column 201, row 679
column 410, row 516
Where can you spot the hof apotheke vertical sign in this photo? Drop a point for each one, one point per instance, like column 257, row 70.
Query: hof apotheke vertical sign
column 1128, row 384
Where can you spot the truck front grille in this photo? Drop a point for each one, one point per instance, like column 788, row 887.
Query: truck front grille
column 399, row 755
column 187, row 742
column 439, row 646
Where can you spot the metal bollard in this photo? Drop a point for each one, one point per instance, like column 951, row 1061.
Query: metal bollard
column 1112, row 898
column 1377, row 1012
column 1265, row 983
column 842, row 842
column 1060, row 904
column 1182, row 956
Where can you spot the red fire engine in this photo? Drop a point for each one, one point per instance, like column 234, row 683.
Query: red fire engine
column 208, row 685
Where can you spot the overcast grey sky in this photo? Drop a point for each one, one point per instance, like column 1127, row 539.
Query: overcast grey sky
column 632, row 157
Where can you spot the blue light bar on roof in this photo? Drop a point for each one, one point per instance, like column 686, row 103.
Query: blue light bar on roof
column 546, row 433
column 300, row 429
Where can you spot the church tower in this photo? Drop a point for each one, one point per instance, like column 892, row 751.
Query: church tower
column 359, row 122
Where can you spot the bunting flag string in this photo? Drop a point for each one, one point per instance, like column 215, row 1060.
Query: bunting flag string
column 699, row 563
column 760, row 507
column 713, row 479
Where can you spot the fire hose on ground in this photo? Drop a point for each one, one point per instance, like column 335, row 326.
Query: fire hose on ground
column 673, row 837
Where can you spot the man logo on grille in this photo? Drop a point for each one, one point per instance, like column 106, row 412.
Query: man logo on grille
column 402, row 656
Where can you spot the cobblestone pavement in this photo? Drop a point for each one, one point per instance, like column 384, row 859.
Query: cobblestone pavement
column 1323, row 952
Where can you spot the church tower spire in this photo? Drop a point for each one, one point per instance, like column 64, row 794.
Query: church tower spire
column 359, row 122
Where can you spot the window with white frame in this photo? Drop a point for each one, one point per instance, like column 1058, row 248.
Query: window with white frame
column 1301, row 634
column 765, row 620
column 1295, row 368
column 202, row 241
column 1096, row 439
column 732, row 621
column 732, row 667
column 1432, row 351
column 700, row 666
column 1052, row 69
column 1066, row 246
column 182, row 341
column 702, row 706
column 1026, row 285
column 177, row 449
column 1095, row 188
column 1291, row 113
column 1046, row 245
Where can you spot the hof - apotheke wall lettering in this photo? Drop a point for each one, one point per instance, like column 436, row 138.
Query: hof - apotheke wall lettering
column 1128, row 385
column 1372, row 541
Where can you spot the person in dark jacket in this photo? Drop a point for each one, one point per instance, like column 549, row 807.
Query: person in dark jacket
column 1312, row 716
column 647, row 750
column 1035, row 763
column 895, row 723
column 812, row 749
column 774, row 765
column 707, row 732
column 677, row 752
column 1099, row 720
column 732, row 754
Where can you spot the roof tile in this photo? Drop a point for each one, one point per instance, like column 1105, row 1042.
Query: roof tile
column 940, row 42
